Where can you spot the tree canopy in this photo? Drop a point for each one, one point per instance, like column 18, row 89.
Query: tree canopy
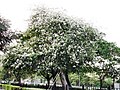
column 5, row 33
column 56, row 43
column 60, row 41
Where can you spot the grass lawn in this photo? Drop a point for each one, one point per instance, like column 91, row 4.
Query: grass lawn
column 35, row 89
column 7, row 87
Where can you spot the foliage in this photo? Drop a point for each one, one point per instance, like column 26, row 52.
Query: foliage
column 88, row 79
column 17, row 63
column 74, row 78
column 108, row 81
column 107, row 57
column 55, row 42
column 6, row 35
column 60, row 41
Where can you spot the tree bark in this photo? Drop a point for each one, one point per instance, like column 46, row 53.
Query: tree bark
column 18, row 78
column 101, row 84
column 102, row 76
column 63, row 81
column 20, row 82
column 83, row 87
column 48, row 83
column 113, row 83
column 67, row 79
column 54, row 73
column 54, row 85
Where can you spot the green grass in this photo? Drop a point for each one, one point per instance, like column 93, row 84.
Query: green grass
column 12, row 87
column 34, row 89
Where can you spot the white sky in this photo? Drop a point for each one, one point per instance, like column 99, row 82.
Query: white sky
column 102, row 14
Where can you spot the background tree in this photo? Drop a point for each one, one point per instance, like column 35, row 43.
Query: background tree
column 18, row 62
column 107, row 56
column 6, row 34
column 114, row 74
column 63, row 41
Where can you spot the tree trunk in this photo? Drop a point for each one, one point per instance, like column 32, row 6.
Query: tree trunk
column 83, row 87
column 67, row 79
column 54, row 85
column 101, row 84
column 109, row 87
column 19, row 81
column 54, row 73
column 63, row 81
column 48, row 83
column 18, row 78
column 113, row 83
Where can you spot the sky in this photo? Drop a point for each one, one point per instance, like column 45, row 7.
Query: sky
column 101, row 14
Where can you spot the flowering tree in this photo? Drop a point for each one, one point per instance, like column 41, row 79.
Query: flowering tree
column 61, row 42
column 5, row 33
